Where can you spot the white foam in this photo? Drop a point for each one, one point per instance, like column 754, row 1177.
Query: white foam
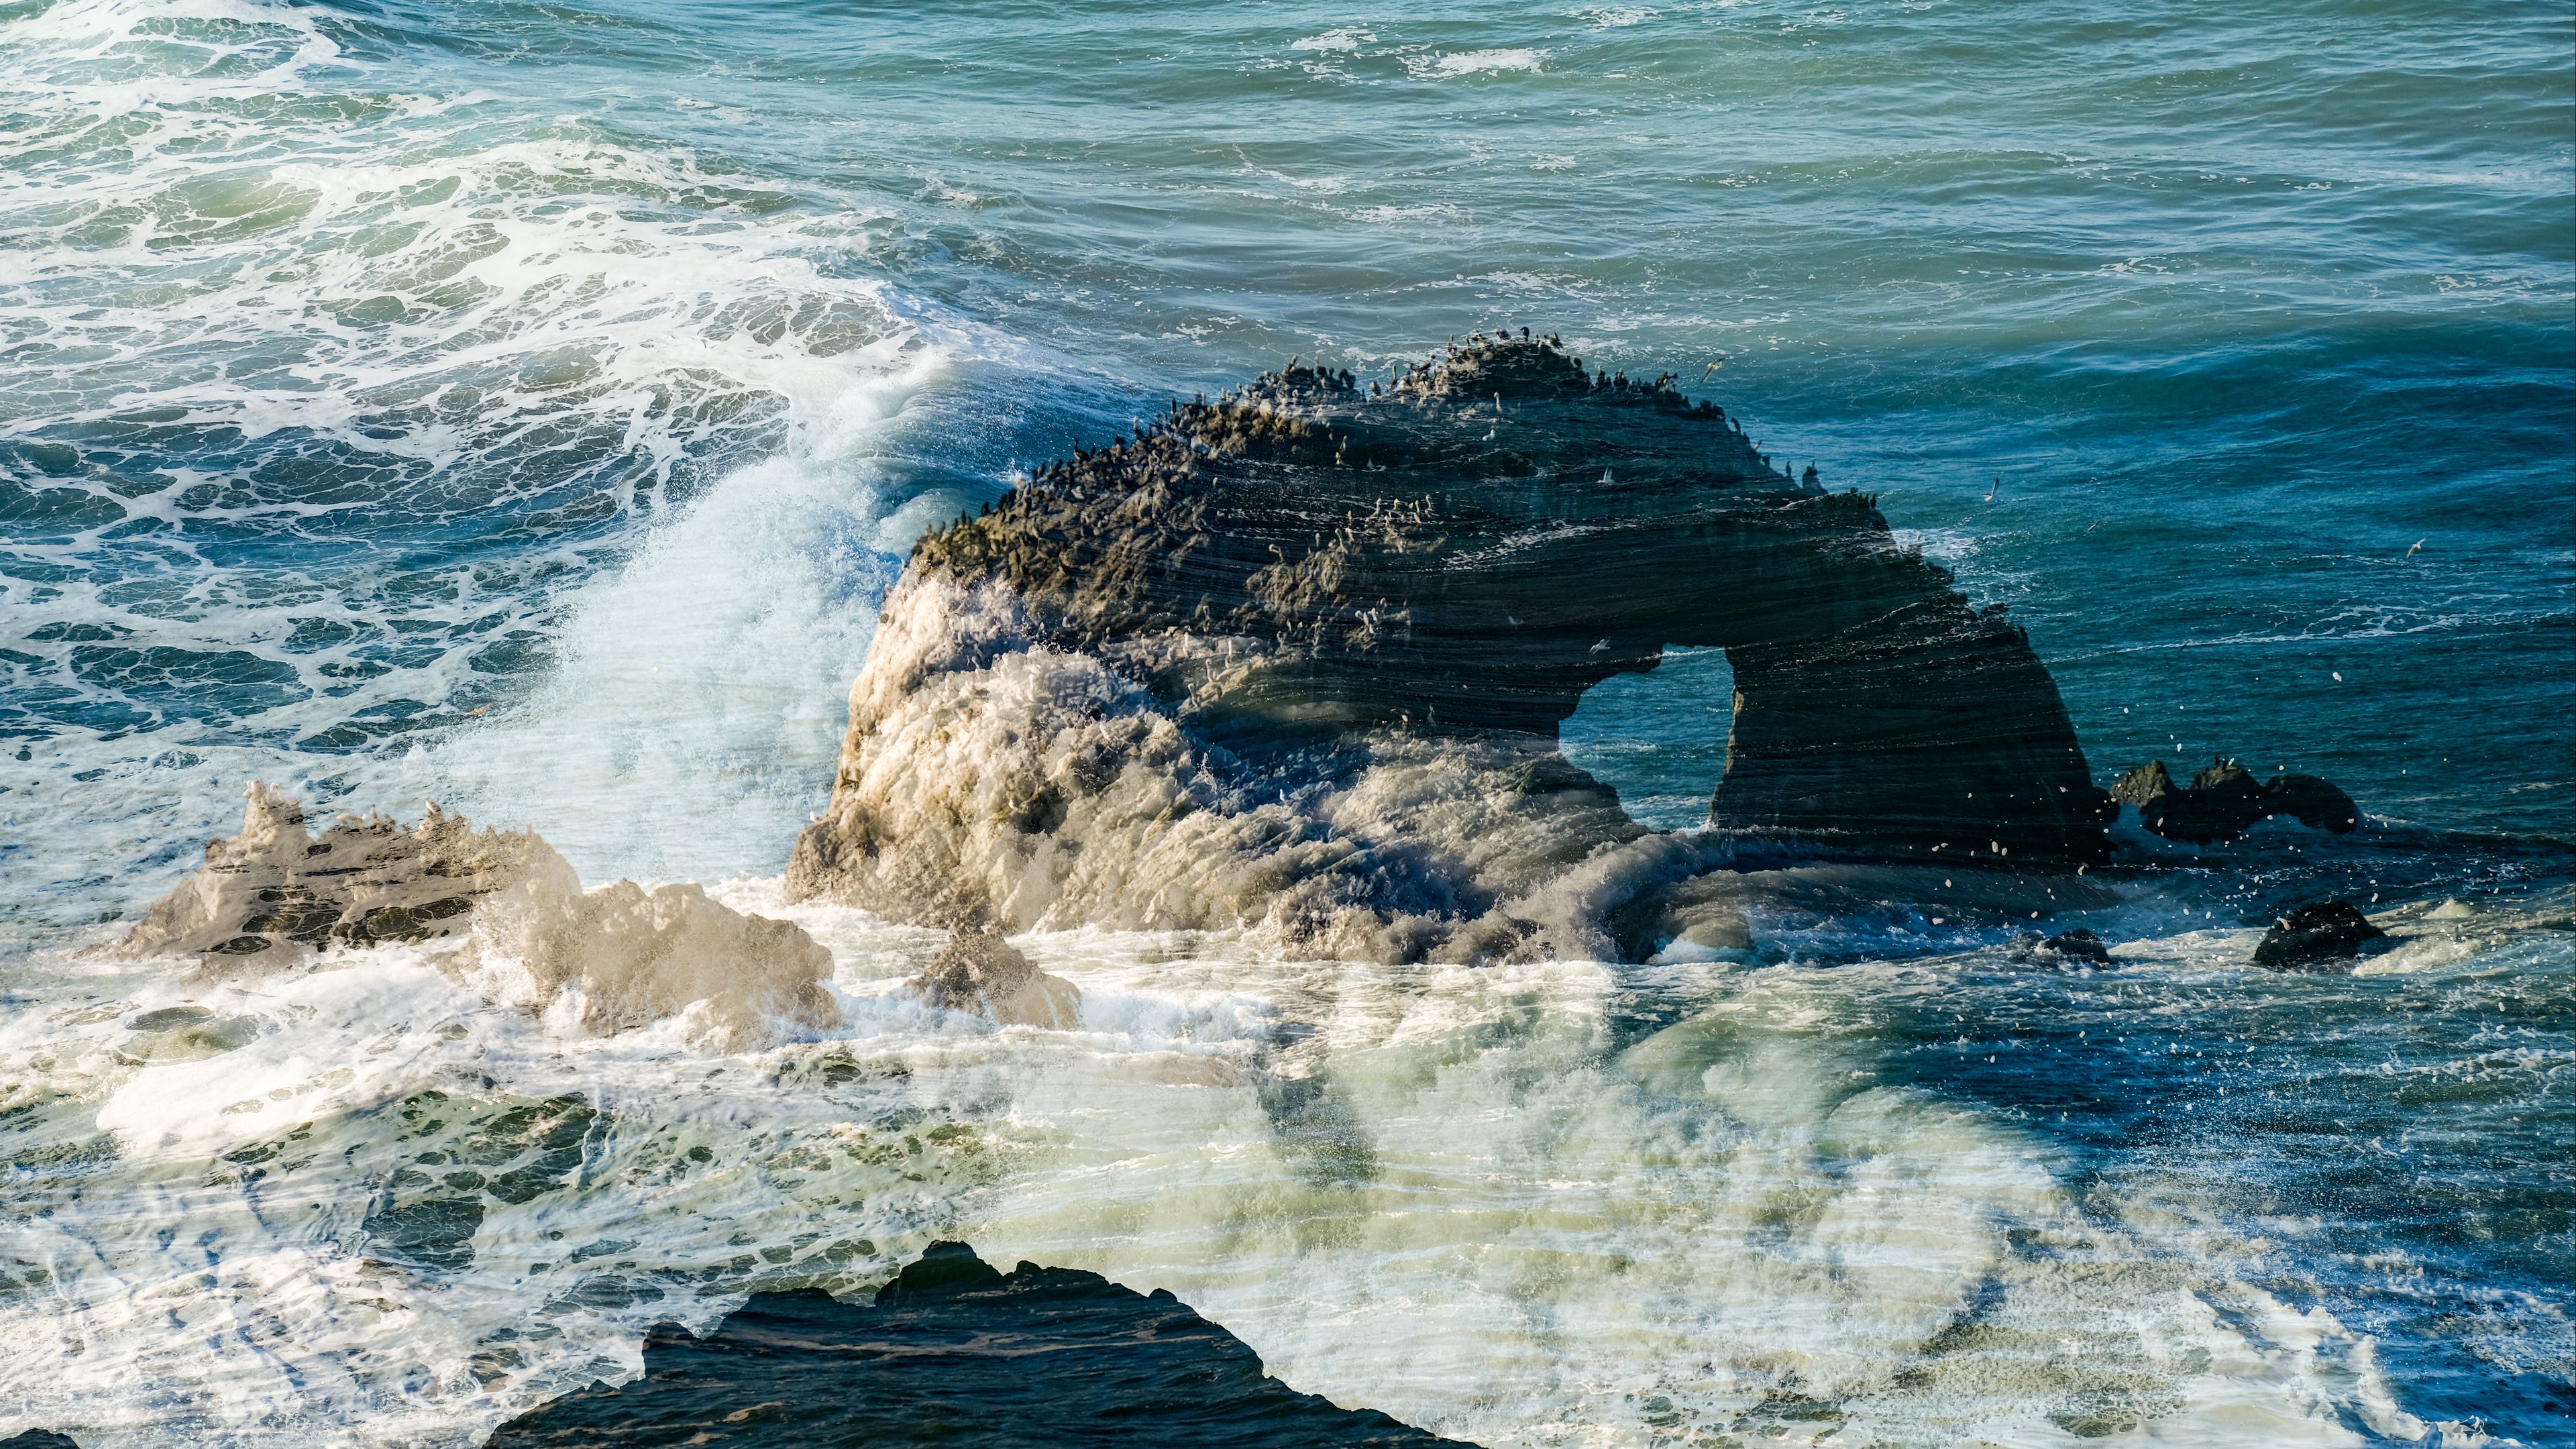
column 1343, row 41
column 1475, row 62
column 466, row 310
column 1573, row 1244
column 700, row 694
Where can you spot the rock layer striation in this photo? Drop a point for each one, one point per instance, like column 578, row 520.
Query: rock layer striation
column 1295, row 659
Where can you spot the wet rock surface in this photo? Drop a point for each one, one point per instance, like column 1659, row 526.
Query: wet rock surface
column 979, row 972
column 271, row 897
column 2224, row 801
column 956, row 1354
column 2322, row 937
column 2078, row 945
column 1296, row 660
column 276, row 892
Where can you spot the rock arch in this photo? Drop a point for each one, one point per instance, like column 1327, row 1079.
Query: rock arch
column 1327, row 628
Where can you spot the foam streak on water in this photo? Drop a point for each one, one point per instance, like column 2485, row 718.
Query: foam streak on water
column 327, row 400
column 408, row 1212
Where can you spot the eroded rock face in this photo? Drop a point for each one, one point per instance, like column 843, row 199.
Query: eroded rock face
column 2224, row 801
column 270, row 897
column 275, row 892
column 1296, row 659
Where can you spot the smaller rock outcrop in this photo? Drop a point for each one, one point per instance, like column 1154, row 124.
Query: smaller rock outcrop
column 2317, row 938
column 2059, row 952
column 2224, row 801
column 2313, row 802
column 272, row 896
column 2077, row 945
column 956, row 1353
column 275, row 893
column 979, row 972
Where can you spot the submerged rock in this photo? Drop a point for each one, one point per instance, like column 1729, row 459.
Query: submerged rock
column 268, row 898
column 2224, row 801
column 955, row 1354
column 1700, row 919
column 979, row 972
column 2078, row 944
column 1295, row 660
column 2316, row 937
column 2065, row 949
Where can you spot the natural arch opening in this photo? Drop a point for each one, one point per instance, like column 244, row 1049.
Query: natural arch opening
column 1659, row 738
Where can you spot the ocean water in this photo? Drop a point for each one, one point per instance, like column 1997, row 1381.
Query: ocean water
column 527, row 405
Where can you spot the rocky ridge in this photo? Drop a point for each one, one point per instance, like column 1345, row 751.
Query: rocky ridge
column 2225, row 800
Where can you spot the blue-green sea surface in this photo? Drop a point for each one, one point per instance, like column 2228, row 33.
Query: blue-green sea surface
column 527, row 405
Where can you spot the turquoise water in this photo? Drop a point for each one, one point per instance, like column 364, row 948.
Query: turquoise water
column 527, row 404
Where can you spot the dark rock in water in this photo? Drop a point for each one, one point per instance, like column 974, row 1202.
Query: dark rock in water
column 2316, row 937
column 2224, row 801
column 2080, row 944
column 2315, row 803
column 2231, row 803
column 957, row 1355
column 1296, row 660
column 2225, row 794
column 2061, row 950
column 38, row 1439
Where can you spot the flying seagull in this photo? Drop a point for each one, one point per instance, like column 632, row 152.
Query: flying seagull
column 1990, row 493
column 2419, row 543
column 1712, row 367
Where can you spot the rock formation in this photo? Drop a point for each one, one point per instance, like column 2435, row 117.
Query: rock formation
column 1295, row 660
column 270, row 897
column 2065, row 947
column 2224, row 801
column 955, row 1353
column 979, row 972
column 2316, row 938
column 275, row 893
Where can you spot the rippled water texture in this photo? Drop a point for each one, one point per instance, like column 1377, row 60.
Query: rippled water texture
column 528, row 405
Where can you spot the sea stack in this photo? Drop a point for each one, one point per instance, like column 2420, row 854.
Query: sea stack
column 2225, row 800
column 1295, row 660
